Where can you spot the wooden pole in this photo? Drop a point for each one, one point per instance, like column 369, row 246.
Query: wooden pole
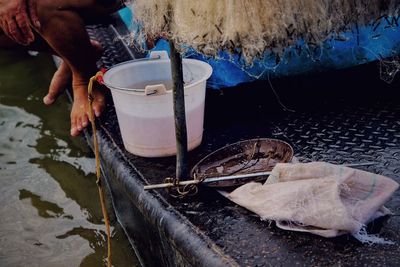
column 182, row 170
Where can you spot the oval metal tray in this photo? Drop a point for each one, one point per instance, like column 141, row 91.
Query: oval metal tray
column 244, row 157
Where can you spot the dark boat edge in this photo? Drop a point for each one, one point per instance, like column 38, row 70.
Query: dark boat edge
column 167, row 236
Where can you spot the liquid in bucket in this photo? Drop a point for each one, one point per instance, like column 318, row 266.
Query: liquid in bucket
column 155, row 136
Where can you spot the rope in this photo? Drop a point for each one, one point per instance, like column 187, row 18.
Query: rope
column 99, row 77
column 179, row 191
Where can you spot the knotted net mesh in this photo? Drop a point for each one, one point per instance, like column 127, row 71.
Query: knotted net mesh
column 251, row 27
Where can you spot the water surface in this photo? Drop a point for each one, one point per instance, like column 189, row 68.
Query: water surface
column 49, row 211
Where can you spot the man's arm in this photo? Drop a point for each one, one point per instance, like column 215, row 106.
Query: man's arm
column 16, row 19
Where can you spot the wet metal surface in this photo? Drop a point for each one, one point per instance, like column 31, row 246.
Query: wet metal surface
column 345, row 116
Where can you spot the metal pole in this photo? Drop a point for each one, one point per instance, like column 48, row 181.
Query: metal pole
column 182, row 170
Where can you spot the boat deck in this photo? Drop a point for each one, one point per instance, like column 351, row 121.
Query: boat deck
column 347, row 116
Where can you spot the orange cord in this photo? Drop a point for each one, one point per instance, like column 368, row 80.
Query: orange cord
column 99, row 78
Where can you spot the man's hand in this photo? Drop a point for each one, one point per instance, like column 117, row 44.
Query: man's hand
column 16, row 19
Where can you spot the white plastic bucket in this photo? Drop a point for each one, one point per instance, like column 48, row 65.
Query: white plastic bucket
column 142, row 94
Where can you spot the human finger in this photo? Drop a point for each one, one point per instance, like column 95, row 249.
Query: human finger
column 84, row 121
column 15, row 32
column 32, row 8
column 4, row 28
column 74, row 127
column 24, row 27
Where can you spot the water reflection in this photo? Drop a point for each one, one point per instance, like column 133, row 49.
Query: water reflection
column 49, row 212
column 45, row 208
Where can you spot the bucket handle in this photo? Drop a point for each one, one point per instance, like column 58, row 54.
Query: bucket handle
column 155, row 89
column 162, row 54
column 154, row 55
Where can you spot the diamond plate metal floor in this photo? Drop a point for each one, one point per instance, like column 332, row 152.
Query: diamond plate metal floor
column 345, row 116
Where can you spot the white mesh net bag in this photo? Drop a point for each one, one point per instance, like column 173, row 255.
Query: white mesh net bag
column 320, row 198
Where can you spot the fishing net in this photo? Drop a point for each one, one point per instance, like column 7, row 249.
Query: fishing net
column 319, row 198
column 389, row 68
column 250, row 27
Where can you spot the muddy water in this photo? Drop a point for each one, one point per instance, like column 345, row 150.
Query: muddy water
column 49, row 211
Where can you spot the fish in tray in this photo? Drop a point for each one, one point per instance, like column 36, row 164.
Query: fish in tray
column 241, row 162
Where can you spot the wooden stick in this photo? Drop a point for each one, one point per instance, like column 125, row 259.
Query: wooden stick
column 169, row 185
column 208, row 180
column 231, row 177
